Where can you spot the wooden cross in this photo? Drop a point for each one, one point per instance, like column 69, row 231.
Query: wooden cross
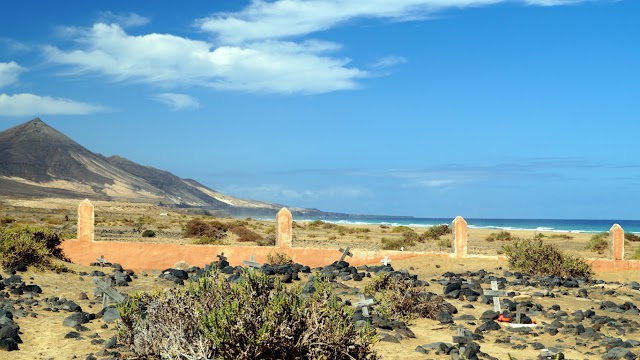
column 221, row 257
column 364, row 302
column 345, row 253
column 108, row 292
column 251, row 263
column 495, row 293
column 385, row 261
column 517, row 299
column 463, row 337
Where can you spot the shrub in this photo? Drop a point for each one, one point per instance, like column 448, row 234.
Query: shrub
column 4, row 221
column 148, row 233
column 534, row 257
column 278, row 258
column 561, row 236
column 401, row 229
column 200, row 228
column 205, row 240
column 269, row 240
column 500, row 236
column 30, row 246
column 435, row 232
column 244, row 234
column 255, row 318
column 401, row 299
column 631, row 237
column 395, row 244
column 444, row 243
column 599, row 243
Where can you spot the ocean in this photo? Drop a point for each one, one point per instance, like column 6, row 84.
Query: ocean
column 576, row 226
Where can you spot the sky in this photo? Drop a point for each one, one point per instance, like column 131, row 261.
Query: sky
column 427, row 108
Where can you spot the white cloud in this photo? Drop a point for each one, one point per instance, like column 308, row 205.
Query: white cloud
column 34, row 105
column 167, row 60
column 279, row 193
column 263, row 48
column 389, row 61
column 290, row 18
column 177, row 102
column 9, row 73
column 126, row 20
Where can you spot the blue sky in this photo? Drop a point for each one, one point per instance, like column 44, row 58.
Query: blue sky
column 431, row 108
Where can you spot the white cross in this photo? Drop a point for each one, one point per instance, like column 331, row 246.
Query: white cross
column 385, row 261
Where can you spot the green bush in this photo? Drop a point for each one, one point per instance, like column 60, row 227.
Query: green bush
column 400, row 299
column 395, row 244
column 534, row 257
column 444, row 243
column 631, row 237
column 6, row 220
column 30, row 246
column 435, row 232
column 401, row 229
column 561, row 236
column 500, row 236
column 148, row 233
column 599, row 243
column 256, row 318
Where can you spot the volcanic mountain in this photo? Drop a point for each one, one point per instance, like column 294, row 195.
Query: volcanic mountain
column 38, row 161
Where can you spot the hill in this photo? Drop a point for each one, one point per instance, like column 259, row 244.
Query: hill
column 36, row 160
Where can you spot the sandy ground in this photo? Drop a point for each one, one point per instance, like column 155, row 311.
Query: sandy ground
column 44, row 336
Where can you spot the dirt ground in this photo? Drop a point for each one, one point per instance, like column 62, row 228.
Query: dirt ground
column 43, row 336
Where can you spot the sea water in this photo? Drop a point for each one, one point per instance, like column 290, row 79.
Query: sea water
column 553, row 225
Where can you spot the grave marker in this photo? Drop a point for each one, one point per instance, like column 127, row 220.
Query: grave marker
column 345, row 253
column 364, row 303
column 221, row 257
column 463, row 337
column 496, row 295
column 385, row 261
column 108, row 292
column 251, row 263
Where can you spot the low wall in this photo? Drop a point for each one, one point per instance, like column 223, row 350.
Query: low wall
column 138, row 256
column 162, row 256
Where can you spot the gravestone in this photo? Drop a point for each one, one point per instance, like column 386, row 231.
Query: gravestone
column 495, row 293
column 108, row 292
column 385, row 261
column 463, row 337
column 251, row 263
column 364, row 302
column 616, row 242
column 85, row 221
column 459, row 245
column 221, row 257
column 345, row 253
column 284, row 225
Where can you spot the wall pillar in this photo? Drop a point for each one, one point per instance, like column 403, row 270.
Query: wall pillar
column 86, row 219
column 616, row 242
column 284, row 228
column 459, row 245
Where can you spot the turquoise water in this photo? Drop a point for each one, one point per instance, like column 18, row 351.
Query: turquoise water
column 588, row 226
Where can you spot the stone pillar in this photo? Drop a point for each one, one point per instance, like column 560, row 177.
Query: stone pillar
column 616, row 242
column 459, row 237
column 284, row 225
column 85, row 221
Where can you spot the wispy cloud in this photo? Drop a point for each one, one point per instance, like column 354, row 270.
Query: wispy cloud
column 10, row 72
column 280, row 193
column 35, row 105
column 126, row 20
column 389, row 61
column 293, row 18
column 176, row 101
